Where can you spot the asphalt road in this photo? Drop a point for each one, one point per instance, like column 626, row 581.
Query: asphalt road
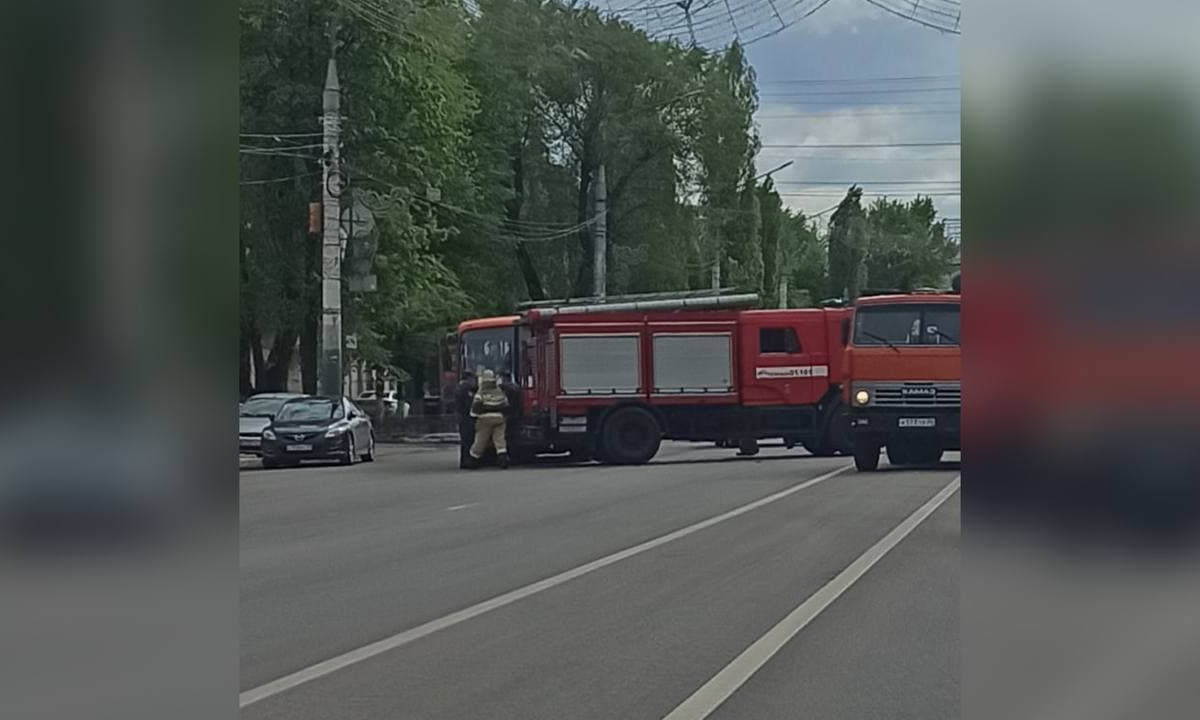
column 702, row 585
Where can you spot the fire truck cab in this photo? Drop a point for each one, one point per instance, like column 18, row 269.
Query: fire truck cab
column 613, row 381
column 904, row 369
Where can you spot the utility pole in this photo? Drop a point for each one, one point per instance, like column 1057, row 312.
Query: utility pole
column 600, row 237
column 329, row 378
column 783, row 292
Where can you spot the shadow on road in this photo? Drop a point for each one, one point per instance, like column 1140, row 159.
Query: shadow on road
column 944, row 465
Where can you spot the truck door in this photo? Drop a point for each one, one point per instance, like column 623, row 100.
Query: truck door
column 778, row 366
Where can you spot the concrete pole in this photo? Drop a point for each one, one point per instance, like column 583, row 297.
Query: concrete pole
column 600, row 237
column 329, row 379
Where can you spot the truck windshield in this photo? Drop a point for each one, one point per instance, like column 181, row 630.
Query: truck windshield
column 491, row 349
column 907, row 324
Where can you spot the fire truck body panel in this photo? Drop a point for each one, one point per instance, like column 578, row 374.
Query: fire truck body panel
column 700, row 374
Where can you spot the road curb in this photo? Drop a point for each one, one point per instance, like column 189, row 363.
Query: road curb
column 433, row 439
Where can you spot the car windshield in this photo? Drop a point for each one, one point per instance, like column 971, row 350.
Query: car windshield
column 490, row 349
column 907, row 324
column 309, row 410
column 262, row 406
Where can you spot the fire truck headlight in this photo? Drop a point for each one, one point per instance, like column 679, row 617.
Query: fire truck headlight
column 862, row 397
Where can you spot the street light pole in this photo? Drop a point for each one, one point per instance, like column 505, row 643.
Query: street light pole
column 773, row 170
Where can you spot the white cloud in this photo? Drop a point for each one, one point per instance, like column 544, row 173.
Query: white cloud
column 936, row 168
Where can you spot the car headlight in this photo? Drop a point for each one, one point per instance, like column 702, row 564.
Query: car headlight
column 862, row 397
column 336, row 430
column 268, row 434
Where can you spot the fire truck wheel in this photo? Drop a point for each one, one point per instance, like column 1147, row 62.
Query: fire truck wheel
column 748, row 447
column 819, row 450
column 866, row 456
column 899, row 454
column 928, row 455
column 840, row 439
column 631, row 436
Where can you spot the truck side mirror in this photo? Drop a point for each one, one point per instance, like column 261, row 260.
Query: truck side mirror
column 845, row 331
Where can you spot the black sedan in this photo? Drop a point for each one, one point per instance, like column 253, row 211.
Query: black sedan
column 318, row 428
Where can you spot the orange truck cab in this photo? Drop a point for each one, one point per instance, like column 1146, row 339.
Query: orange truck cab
column 904, row 371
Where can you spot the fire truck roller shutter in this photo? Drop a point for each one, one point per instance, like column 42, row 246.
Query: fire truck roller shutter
column 693, row 363
column 600, row 364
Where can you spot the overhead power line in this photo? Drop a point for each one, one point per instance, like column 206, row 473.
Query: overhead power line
column 278, row 136
column 867, row 182
column 266, row 181
column 859, row 80
column 946, row 18
column 863, row 145
column 914, row 193
column 883, row 113
column 712, row 24
column 870, row 91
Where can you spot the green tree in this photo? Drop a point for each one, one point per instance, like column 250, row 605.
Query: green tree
column 771, row 213
column 804, row 258
column 907, row 246
column 848, row 239
column 723, row 143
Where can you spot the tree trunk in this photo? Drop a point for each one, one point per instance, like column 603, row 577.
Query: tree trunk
column 276, row 373
column 245, row 386
column 256, row 356
column 512, row 211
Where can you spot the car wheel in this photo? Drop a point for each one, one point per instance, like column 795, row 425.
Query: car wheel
column 269, row 464
column 350, row 456
column 369, row 455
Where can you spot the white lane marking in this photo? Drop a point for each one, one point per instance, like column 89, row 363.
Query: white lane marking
column 718, row 689
column 452, row 508
column 325, row 667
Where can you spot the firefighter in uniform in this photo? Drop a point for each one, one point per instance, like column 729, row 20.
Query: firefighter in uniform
column 489, row 408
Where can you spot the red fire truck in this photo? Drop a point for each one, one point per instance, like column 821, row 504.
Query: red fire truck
column 612, row 380
column 904, row 377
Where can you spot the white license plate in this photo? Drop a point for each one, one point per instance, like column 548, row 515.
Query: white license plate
column 917, row 422
column 299, row 448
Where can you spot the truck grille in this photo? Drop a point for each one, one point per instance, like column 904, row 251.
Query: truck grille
column 917, row 394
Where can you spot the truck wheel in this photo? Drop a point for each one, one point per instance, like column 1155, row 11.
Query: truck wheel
column 835, row 432
column 839, row 435
column 631, row 437
column 928, row 456
column 899, row 453
column 819, row 450
column 866, row 456
column 748, row 447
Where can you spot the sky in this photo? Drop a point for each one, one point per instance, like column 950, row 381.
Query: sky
column 849, row 73
column 848, row 46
